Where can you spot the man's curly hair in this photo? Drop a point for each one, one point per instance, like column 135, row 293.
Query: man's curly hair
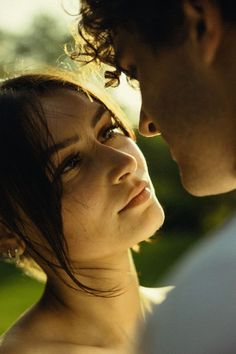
column 160, row 23
column 157, row 24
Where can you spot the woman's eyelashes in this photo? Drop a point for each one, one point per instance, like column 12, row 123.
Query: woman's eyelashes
column 70, row 163
column 110, row 132
column 74, row 160
column 132, row 76
column 130, row 72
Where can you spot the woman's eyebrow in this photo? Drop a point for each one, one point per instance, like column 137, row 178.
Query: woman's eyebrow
column 98, row 115
column 62, row 145
column 75, row 138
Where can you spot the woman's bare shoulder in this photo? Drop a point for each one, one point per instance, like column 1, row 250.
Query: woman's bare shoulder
column 55, row 349
column 18, row 340
column 15, row 347
column 7, row 347
column 15, row 340
column 9, row 344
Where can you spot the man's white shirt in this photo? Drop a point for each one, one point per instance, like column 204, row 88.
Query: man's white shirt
column 199, row 314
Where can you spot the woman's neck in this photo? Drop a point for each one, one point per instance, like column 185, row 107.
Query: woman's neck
column 107, row 320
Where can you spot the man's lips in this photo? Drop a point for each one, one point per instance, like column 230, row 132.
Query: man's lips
column 138, row 196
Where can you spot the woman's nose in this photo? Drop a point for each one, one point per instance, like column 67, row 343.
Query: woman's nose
column 147, row 125
column 124, row 166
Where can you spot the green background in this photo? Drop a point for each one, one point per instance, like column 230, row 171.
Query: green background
column 188, row 219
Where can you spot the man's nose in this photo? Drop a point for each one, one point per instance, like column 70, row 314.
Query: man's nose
column 147, row 126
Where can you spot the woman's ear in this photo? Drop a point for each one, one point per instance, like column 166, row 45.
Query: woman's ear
column 10, row 245
column 205, row 27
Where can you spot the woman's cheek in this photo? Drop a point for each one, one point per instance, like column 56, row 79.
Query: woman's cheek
column 141, row 162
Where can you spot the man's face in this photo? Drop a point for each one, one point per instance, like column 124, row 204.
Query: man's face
column 185, row 101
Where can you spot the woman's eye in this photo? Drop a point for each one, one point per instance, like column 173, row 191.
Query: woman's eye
column 132, row 78
column 111, row 131
column 70, row 163
column 132, row 73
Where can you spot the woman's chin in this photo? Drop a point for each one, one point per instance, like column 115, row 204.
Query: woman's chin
column 153, row 222
column 157, row 219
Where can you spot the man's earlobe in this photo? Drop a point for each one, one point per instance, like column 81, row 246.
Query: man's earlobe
column 205, row 27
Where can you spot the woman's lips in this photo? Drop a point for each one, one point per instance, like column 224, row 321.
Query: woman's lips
column 140, row 198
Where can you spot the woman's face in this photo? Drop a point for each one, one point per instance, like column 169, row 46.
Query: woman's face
column 108, row 202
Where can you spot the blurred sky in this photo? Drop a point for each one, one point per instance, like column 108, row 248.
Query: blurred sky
column 18, row 15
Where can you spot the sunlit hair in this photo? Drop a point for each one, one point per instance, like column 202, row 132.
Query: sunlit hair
column 159, row 23
column 29, row 194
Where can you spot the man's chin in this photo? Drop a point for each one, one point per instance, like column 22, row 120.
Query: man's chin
column 202, row 187
column 193, row 184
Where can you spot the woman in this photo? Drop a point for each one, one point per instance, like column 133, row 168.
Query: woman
column 75, row 196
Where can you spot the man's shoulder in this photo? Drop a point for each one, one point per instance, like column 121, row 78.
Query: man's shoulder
column 200, row 313
column 218, row 250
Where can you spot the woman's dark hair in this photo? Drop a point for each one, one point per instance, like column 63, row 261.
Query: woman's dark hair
column 28, row 189
column 160, row 23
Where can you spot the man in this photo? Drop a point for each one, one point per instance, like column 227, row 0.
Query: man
column 183, row 54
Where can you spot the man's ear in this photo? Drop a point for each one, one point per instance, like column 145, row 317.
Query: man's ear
column 10, row 244
column 205, row 27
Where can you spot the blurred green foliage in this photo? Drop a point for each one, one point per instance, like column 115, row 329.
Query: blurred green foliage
column 188, row 219
column 40, row 46
column 17, row 293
